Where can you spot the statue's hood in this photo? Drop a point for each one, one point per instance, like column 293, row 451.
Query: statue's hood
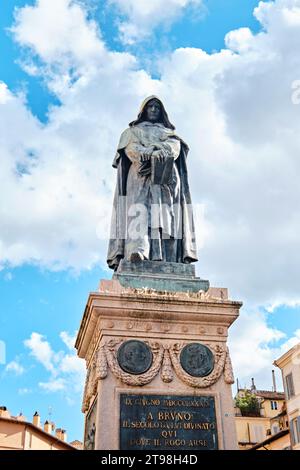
column 164, row 115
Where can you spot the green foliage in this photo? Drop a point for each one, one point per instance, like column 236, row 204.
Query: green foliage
column 248, row 404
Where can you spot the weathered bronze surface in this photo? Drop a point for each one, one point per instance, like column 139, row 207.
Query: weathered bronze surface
column 197, row 360
column 152, row 212
column 135, row 357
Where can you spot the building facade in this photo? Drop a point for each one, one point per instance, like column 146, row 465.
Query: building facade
column 260, row 417
column 18, row 434
column 289, row 363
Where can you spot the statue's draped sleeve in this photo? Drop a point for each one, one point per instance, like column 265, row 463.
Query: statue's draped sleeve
column 116, row 246
column 188, row 245
column 122, row 162
column 134, row 148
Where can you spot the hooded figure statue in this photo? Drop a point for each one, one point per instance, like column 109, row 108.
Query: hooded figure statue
column 152, row 213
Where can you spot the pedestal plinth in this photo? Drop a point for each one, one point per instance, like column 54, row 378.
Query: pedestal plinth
column 161, row 276
column 158, row 369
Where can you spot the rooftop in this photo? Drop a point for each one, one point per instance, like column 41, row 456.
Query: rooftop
column 46, row 430
column 270, row 395
column 280, row 434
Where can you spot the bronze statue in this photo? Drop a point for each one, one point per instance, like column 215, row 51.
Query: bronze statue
column 152, row 215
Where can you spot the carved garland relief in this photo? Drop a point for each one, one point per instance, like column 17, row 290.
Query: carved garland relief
column 197, row 365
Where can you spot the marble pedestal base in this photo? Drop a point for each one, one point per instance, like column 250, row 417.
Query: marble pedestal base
column 121, row 407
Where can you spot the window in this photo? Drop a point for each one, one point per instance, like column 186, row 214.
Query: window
column 289, row 386
column 274, row 405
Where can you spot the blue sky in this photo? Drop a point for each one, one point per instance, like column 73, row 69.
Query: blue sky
column 11, row 72
column 207, row 32
column 46, row 297
column 45, row 302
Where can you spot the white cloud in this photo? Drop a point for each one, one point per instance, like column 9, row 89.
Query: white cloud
column 5, row 95
column 70, row 364
column 143, row 16
column 41, row 350
column 253, row 347
column 58, row 31
column 54, row 172
column 275, row 305
column 290, row 343
column 53, row 385
column 68, row 45
column 15, row 367
column 67, row 371
column 68, row 339
column 240, row 40
column 233, row 107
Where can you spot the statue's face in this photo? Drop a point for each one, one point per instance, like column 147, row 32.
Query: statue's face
column 153, row 111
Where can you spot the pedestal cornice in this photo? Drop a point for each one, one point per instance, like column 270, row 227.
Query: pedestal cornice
column 154, row 308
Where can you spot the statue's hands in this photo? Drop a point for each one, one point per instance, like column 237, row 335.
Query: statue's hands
column 145, row 165
column 161, row 156
column 162, row 152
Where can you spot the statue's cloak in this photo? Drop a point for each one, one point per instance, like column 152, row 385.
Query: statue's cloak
column 186, row 246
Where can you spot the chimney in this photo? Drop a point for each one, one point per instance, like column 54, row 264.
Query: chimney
column 4, row 413
column 61, row 434
column 274, row 381
column 253, row 388
column 36, row 419
column 48, row 427
column 21, row 417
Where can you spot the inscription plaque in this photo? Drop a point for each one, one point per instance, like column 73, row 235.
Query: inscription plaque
column 167, row 422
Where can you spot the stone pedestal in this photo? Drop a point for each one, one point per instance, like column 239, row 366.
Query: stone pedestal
column 178, row 400
column 171, row 277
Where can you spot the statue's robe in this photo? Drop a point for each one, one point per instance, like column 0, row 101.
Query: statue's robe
column 154, row 220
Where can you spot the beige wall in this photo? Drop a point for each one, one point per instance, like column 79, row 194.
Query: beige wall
column 252, row 430
column 11, row 435
column 16, row 435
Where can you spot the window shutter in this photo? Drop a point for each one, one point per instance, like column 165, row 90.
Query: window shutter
column 290, row 385
column 292, row 433
column 259, row 433
column 298, row 426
